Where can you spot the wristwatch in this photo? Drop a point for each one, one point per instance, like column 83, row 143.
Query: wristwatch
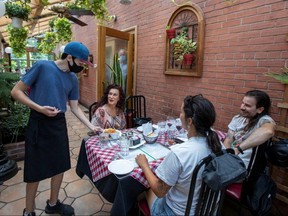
column 239, row 149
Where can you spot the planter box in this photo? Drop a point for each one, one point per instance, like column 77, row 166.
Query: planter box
column 15, row 151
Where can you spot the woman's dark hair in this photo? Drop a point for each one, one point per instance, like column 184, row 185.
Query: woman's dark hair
column 104, row 98
column 262, row 100
column 203, row 115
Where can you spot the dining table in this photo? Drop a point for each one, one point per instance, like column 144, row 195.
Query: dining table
column 121, row 190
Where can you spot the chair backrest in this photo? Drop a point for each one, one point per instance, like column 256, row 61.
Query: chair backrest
column 136, row 104
column 135, row 111
column 256, row 166
column 92, row 109
column 209, row 201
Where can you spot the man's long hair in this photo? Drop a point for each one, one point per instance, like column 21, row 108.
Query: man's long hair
column 262, row 100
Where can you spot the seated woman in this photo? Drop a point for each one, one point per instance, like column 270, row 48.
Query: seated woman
column 169, row 188
column 109, row 112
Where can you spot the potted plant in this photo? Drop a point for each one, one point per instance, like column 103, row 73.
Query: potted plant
column 17, row 39
column 189, row 49
column 183, row 46
column 282, row 77
column 116, row 72
column 171, row 32
column 49, row 43
column 13, row 116
column 18, row 11
column 62, row 27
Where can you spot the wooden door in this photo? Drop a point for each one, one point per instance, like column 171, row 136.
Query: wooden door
column 110, row 41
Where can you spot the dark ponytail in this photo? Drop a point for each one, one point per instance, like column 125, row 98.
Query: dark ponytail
column 203, row 115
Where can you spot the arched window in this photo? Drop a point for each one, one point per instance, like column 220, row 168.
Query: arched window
column 188, row 23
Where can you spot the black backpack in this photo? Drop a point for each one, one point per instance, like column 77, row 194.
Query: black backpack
column 259, row 199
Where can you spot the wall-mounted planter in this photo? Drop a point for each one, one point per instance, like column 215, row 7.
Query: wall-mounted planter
column 171, row 33
column 188, row 59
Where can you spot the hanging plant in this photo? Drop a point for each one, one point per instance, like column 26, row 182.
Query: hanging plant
column 48, row 43
column 19, row 9
column 45, row 2
column 98, row 7
column 62, row 27
column 17, row 39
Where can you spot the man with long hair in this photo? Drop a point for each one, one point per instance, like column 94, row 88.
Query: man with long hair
column 252, row 127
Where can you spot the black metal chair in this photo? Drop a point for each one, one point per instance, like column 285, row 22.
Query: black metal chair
column 257, row 164
column 209, row 201
column 92, row 109
column 135, row 110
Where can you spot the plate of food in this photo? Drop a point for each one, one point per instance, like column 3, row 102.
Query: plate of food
column 121, row 167
column 113, row 133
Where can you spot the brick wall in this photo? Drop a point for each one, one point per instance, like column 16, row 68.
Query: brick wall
column 243, row 41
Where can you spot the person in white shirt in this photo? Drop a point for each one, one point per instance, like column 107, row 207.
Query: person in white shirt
column 252, row 127
column 169, row 188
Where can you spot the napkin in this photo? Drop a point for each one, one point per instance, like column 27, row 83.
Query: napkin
column 147, row 128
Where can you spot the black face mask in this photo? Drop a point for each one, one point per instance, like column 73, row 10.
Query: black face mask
column 75, row 68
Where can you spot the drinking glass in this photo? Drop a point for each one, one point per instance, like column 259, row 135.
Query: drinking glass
column 124, row 146
column 161, row 127
column 170, row 121
column 178, row 124
column 103, row 140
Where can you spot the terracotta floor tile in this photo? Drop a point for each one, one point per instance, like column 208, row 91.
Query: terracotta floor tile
column 13, row 192
column 87, row 205
column 70, row 176
column 13, row 208
column 72, row 189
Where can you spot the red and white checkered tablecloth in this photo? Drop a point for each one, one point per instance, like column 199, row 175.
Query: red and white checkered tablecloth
column 98, row 160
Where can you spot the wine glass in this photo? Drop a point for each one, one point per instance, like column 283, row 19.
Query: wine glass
column 178, row 125
column 170, row 121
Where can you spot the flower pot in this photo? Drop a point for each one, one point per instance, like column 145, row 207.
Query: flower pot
column 171, row 33
column 188, row 59
column 17, row 22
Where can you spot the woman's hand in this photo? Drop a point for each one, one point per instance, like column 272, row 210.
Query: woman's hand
column 142, row 161
column 97, row 129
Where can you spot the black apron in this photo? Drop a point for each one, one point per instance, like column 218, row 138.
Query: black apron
column 46, row 147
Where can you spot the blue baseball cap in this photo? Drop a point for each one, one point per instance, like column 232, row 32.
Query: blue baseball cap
column 79, row 51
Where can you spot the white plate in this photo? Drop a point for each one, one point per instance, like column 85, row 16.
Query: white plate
column 121, row 167
column 140, row 128
column 138, row 145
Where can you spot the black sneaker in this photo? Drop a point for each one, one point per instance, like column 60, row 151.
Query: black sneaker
column 30, row 214
column 59, row 208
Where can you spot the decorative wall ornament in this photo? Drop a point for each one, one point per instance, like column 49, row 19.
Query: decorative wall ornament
column 189, row 23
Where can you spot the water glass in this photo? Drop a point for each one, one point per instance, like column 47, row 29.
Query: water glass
column 171, row 134
column 124, row 147
column 161, row 127
column 103, row 140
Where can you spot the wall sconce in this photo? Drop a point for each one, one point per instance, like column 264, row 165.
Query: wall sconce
column 8, row 50
column 125, row 2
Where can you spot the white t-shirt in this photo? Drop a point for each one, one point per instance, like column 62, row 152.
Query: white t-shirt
column 237, row 125
column 176, row 171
